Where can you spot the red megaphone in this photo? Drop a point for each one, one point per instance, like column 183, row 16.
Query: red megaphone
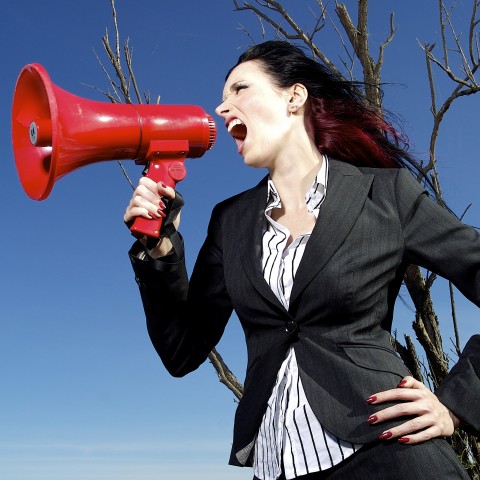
column 55, row 132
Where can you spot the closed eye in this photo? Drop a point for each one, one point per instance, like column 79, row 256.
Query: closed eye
column 235, row 88
column 239, row 86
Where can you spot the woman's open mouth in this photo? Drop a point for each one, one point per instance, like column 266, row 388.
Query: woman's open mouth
column 238, row 130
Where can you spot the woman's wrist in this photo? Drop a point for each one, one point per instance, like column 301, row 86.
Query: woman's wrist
column 162, row 248
column 456, row 421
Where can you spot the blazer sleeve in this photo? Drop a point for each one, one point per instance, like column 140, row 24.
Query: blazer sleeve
column 185, row 318
column 437, row 240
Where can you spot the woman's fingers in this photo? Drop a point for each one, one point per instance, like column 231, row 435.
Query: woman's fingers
column 407, row 389
column 165, row 191
column 412, row 399
column 148, row 200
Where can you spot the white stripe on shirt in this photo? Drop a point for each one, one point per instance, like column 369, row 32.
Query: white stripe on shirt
column 290, row 434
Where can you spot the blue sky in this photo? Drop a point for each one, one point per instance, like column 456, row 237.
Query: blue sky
column 84, row 395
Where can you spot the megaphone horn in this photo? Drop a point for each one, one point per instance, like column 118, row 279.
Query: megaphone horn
column 55, row 132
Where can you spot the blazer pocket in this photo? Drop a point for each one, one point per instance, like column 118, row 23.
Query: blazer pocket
column 376, row 358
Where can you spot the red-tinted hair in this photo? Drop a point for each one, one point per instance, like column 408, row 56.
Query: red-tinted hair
column 352, row 133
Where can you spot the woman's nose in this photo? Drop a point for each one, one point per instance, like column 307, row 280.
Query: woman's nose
column 221, row 110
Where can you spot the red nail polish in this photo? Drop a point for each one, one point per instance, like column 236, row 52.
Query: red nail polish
column 162, row 214
column 372, row 419
column 385, row 435
column 371, row 399
column 402, row 383
column 163, row 185
column 161, row 205
column 403, row 440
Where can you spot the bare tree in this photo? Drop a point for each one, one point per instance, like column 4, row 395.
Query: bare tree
column 458, row 59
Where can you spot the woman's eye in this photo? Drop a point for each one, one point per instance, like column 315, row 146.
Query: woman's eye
column 239, row 87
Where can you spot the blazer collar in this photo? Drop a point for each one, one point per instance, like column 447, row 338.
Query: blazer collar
column 252, row 221
column 347, row 191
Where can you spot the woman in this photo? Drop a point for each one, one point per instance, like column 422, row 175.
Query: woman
column 312, row 259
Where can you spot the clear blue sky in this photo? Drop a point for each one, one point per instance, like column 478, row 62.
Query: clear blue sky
column 84, row 395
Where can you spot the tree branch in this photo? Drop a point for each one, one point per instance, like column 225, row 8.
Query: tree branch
column 297, row 32
column 225, row 375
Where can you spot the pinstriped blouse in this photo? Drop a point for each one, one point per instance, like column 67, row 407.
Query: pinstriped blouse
column 290, row 437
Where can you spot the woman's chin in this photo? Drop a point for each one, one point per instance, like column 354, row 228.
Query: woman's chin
column 254, row 162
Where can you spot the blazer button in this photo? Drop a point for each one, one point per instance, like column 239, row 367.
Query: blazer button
column 290, row 326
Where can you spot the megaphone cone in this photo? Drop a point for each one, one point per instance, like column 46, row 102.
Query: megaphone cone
column 55, row 132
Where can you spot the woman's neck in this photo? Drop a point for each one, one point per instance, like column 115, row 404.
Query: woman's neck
column 294, row 176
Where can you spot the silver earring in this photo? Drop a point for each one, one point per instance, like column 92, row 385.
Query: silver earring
column 294, row 107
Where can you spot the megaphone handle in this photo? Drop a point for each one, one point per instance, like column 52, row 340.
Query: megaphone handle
column 169, row 171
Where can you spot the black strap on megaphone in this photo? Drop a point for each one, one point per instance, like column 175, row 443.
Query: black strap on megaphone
column 168, row 229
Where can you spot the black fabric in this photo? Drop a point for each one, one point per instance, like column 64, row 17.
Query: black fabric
column 433, row 460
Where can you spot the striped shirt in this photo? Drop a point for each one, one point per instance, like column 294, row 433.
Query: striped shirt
column 290, row 434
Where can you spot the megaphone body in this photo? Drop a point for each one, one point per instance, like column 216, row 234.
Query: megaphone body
column 55, row 132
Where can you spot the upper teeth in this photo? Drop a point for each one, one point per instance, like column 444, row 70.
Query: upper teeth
column 235, row 121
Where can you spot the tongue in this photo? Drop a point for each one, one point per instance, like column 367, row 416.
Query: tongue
column 239, row 143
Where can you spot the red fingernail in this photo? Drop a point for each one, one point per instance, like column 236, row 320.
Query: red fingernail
column 402, row 383
column 163, row 185
column 372, row 419
column 162, row 214
column 161, row 205
column 371, row 399
column 385, row 435
column 403, row 440
column 150, row 215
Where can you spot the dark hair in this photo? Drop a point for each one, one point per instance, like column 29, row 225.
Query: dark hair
column 345, row 125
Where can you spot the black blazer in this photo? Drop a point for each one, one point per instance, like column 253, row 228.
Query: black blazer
column 372, row 224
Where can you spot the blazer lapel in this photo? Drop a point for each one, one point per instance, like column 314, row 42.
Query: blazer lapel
column 251, row 222
column 347, row 191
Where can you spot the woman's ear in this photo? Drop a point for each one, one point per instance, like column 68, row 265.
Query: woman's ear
column 298, row 96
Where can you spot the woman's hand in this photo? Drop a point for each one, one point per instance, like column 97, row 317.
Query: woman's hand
column 147, row 202
column 432, row 418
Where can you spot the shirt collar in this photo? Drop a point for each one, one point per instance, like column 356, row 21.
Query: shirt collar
column 313, row 198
